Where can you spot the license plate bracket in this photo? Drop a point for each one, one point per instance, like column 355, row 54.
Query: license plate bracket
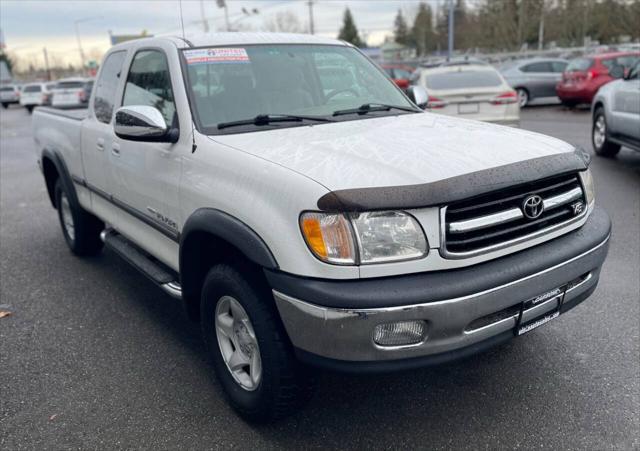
column 468, row 108
column 552, row 299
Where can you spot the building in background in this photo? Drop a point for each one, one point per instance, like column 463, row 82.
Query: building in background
column 118, row 38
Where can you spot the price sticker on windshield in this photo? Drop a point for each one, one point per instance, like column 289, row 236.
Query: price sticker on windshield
column 216, row 56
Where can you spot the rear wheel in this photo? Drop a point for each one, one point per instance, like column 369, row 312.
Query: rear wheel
column 569, row 103
column 30, row 108
column 252, row 356
column 601, row 143
column 81, row 230
column 523, row 97
column 5, row 105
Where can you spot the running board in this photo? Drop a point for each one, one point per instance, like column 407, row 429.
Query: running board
column 157, row 271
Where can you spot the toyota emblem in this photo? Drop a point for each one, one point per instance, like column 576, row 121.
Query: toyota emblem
column 533, row 206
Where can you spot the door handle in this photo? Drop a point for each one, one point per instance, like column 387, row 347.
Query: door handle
column 115, row 149
column 100, row 144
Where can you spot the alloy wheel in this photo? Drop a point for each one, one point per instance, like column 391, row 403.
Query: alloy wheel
column 238, row 343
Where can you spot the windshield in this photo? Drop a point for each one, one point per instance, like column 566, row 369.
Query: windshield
column 239, row 83
column 463, row 80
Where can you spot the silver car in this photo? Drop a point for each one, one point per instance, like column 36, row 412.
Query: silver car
column 534, row 78
column 616, row 113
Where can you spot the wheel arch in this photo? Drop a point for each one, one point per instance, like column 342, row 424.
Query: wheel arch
column 53, row 167
column 211, row 236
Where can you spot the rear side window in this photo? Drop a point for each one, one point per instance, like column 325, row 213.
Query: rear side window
column 6, row 89
column 403, row 74
column 626, row 62
column 559, row 66
column 579, row 64
column 149, row 83
column 537, row 67
column 463, row 80
column 104, row 97
column 34, row 88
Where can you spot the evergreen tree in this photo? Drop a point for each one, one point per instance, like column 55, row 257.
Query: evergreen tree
column 422, row 31
column 401, row 30
column 349, row 31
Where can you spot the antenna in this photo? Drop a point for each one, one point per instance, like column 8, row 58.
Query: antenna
column 194, row 146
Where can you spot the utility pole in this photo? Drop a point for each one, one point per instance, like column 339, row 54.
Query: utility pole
column 541, row 30
column 223, row 4
column 451, row 29
column 79, row 46
column 311, row 24
column 46, row 63
column 205, row 22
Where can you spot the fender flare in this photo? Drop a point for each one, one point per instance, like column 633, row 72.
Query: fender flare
column 67, row 182
column 221, row 226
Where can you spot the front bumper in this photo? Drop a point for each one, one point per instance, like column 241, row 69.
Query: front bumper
column 331, row 323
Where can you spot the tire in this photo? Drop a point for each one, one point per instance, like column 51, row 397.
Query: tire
column 523, row 97
column 569, row 103
column 5, row 105
column 30, row 109
column 599, row 136
column 280, row 385
column 81, row 230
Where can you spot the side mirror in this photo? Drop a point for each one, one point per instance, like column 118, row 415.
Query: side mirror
column 143, row 123
column 617, row 71
column 418, row 95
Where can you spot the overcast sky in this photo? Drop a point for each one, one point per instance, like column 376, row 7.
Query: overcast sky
column 28, row 26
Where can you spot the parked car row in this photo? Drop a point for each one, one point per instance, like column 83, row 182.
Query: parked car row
column 65, row 93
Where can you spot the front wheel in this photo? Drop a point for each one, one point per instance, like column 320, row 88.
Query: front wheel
column 601, row 143
column 252, row 356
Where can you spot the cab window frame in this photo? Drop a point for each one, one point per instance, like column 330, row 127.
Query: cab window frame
column 175, row 121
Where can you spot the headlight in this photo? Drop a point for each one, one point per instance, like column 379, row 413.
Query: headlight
column 587, row 184
column 364, row 238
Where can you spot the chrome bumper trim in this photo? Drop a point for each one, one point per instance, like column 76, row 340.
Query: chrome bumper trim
column 346, row 334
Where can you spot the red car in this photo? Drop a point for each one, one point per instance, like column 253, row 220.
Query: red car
column 583, row 76
column 399, row 74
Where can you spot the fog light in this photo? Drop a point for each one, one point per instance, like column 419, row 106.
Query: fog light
column 400, row 333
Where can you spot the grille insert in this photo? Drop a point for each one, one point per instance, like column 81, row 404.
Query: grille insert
column 497, row 219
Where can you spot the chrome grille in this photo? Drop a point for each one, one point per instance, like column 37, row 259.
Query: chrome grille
column 498, row 219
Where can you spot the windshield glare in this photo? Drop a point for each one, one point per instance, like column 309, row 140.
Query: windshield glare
column 239, row 83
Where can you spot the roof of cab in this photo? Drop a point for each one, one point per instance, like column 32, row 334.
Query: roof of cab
column 231, row 39
column 237, row 38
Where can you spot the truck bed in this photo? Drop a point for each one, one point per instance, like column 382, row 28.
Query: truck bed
column 76, row 113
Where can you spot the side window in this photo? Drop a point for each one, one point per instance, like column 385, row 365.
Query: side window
column 107, row 85
column 558, row 66
column 537, row 67
column 149, row 83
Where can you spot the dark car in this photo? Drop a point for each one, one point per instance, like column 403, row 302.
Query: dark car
column 584, row 76
column 534, row 78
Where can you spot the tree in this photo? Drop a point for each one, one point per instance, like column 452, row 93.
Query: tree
column 422, row 30
column 7, row 60
column 349, row 31
column 285, row 22
column 401, row 30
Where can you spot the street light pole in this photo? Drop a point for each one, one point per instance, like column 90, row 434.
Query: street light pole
column 451, row 29
column 311, row 24
column 75, row 23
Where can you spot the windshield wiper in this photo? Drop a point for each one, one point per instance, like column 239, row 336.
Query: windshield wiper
column 266, row 119
column 373, row 107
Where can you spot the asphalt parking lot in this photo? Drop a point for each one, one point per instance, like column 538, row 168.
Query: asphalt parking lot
column 95, row 356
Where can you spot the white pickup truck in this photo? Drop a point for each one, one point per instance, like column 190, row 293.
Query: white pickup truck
column 308, row 213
